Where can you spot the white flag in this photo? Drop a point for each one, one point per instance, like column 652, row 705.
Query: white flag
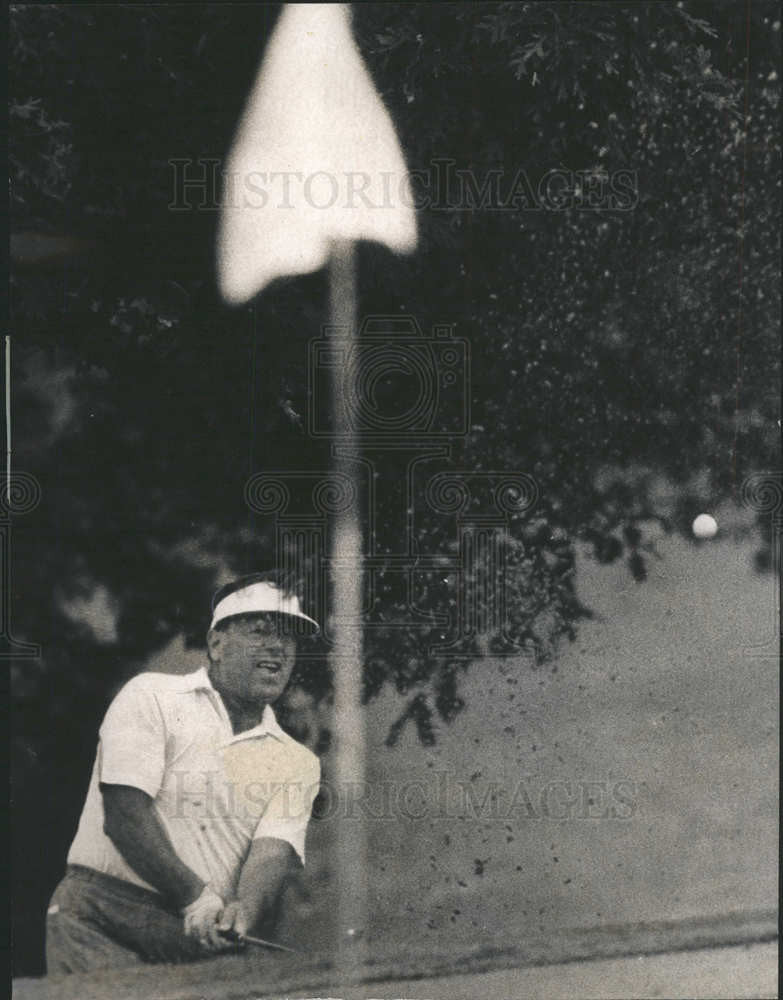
column 315, row 158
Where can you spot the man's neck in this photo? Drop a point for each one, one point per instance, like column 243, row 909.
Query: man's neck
column 242, row 715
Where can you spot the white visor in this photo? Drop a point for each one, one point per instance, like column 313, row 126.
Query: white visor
column 259, row 597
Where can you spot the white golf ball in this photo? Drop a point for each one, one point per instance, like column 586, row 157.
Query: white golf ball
column 705, row 526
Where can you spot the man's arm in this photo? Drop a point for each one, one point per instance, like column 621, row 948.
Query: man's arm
column 133, row 826
column 278, row 846
column 263, row 874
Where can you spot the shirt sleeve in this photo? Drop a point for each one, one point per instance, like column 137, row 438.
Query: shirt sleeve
column 288, row 809
column 132, row 748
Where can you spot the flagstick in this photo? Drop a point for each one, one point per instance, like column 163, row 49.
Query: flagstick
column 8, row 419
column 351, row 848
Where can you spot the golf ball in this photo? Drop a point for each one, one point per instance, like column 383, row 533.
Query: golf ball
column 705, row 526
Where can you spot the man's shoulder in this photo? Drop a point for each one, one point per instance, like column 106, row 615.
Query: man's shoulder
column 302, row 753
column 156, row 683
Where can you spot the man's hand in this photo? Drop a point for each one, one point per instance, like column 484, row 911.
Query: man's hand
column 201, row 920
column 234, row 922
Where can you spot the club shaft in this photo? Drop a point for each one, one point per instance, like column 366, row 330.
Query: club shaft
column 261, row 943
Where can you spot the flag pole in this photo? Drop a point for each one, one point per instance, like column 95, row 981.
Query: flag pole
column 347, row 577
column 314, row 106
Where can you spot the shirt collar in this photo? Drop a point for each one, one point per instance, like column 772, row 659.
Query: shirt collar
column 268, row 726
column 197, row 681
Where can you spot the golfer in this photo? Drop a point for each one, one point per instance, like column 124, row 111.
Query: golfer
column 198, row 804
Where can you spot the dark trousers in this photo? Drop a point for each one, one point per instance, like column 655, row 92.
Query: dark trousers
column 96, row 921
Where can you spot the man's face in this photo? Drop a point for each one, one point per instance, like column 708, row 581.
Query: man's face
column 251, row 658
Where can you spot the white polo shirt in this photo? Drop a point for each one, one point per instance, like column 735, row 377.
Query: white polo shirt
column 215, row 792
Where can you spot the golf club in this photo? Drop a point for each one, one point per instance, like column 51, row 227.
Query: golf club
column 258, row 942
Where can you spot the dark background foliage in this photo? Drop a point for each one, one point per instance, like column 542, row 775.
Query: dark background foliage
column 611, row 350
